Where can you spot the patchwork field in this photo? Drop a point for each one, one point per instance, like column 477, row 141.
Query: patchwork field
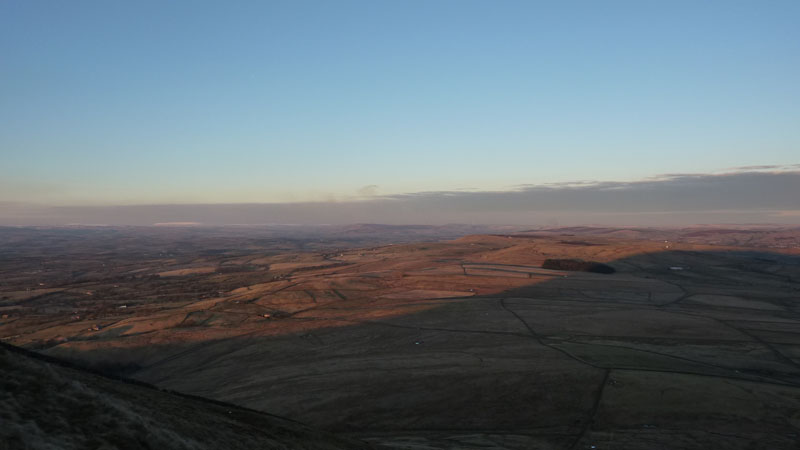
column 466, row 343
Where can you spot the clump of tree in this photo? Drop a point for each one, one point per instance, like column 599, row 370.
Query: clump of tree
column 577, row 265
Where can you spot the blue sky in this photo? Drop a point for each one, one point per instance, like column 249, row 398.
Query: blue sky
column 148, row 102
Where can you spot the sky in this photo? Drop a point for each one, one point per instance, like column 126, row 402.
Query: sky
column 317, row 104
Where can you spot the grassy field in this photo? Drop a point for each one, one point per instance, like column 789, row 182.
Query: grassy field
column 460, row 344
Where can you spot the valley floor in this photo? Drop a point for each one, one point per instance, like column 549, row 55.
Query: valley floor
column 461, row 344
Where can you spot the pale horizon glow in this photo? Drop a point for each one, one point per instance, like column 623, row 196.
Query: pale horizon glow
column 763, row 194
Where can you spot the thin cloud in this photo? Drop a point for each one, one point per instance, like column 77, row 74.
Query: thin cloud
column 745, row 196
column 368, row 190
column 773, row 167
column 679, row 192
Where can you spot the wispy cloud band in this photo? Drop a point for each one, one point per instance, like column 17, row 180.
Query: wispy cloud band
column 751, row 194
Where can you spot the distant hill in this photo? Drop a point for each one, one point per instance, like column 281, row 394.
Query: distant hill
column 765, row 236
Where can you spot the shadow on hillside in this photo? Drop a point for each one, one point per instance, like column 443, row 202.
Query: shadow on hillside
column 695, row 348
